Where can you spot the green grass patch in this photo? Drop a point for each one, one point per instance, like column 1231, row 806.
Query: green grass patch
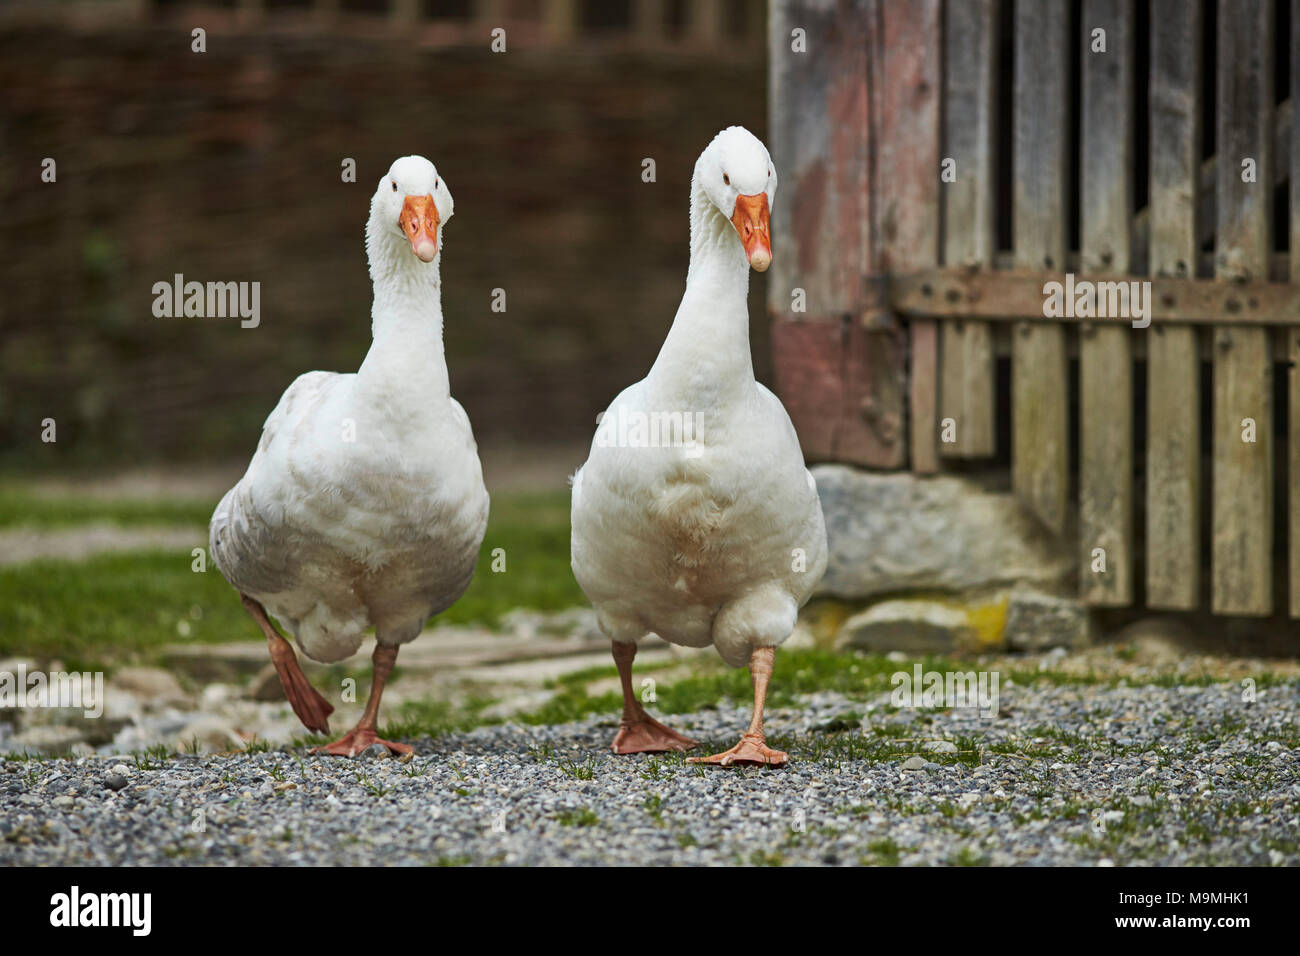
column 533, row 532
column 882, row 853
column 21, row 508
column 127, row 605
column 114, row 606
column 435, row 717
column 800, row 671
column 582, row 817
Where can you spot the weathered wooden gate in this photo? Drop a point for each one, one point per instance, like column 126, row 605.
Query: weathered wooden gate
column 944, row 161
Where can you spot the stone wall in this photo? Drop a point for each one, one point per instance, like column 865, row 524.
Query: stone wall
column 940, row 564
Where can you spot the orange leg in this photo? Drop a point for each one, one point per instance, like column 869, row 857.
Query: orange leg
column 312, row 709
column 753, row 748
column 639, row 732
column 364, row 733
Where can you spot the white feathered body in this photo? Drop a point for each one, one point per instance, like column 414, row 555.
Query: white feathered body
column 717, row 544
column 352, row 516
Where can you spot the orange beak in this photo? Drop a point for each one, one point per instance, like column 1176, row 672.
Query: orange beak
column 419, row 221
column 751, row 219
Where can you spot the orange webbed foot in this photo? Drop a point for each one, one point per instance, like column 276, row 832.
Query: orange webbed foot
column 648, row 736
column 752, row 749
column 312, row 708
column 357, row 741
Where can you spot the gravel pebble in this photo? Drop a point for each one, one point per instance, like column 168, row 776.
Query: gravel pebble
column 1067, row 775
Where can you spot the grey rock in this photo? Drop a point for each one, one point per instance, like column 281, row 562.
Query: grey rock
column 266, row 685
column 914, row 626
column 941, row 747
column 913, row 763
column 1037, row 621
column 896, row 532
column 115, row 781
column 48, row 738
column 211, row 734
column 149, row 684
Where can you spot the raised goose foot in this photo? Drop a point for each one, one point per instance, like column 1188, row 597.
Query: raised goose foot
column 356, row 741
column 752, row 749
column 312, row 709
column 648, row 736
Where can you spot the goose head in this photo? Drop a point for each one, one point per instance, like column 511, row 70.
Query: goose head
column 410, row 206
column 736, row 173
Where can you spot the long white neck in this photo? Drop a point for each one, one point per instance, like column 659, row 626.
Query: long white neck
column 405, row 321
column 706, row 354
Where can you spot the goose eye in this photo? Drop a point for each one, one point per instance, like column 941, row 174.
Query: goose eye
column 394, row 185
column 726, row 179
column 435, row 182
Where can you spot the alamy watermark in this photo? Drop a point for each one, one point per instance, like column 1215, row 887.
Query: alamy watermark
column 636, row 429
column 132, row 911
column 75, row 689
column 922, row 688
column 209, row 300
column 1085, row 299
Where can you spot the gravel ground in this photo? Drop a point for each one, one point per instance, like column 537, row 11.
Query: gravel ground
column 1063, row 775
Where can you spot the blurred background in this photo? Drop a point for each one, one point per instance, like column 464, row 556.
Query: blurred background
column 226, row 166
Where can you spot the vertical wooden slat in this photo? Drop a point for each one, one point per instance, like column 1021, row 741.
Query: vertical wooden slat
column 704, row 21
column 839, row 374
column 1293, row 336
column 1105, row 358
column 906, row 201
column 489, row 13
column 250, row 11
column 969, row 229
column 1243, row 369
column 560, row 20
column 1039, row 453
column 325, row 12
column 648, row 21
column 1173, row 503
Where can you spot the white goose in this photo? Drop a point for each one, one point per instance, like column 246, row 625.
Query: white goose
column 364, row 505
column 713, row 534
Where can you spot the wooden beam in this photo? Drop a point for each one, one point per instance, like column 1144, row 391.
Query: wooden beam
column 1019, row 296
column 1105, row 538
column 1173, row 470
column 1243, row 369
column 966, row 376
